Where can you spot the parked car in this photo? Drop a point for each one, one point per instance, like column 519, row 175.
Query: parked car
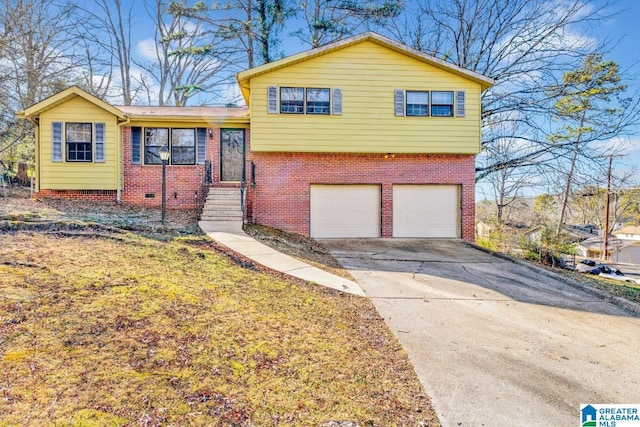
column 618, row 275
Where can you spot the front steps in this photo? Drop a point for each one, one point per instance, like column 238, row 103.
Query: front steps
column 223, row 204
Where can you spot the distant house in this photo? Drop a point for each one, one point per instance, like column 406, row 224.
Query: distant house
column 585, row 231
column 533, row 236
column 628, row 233
column 593, row 247
column 627, row 254
column 483, row 229
column 363, row 137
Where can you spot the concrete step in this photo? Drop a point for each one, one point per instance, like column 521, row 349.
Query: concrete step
column 218, row 203
column 227, row 201
column 224, row 191
column 222, row 205
column 205, row 217
column 221, row 212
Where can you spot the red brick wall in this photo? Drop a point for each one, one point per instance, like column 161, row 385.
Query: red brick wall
column 141, row 180
column 88, row 195
column 280, row 198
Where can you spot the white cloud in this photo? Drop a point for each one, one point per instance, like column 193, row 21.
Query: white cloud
column 147, row 49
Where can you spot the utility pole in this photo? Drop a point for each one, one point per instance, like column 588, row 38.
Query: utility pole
column 606, row 214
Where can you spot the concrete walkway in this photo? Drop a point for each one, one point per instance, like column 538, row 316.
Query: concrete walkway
column 231, row 235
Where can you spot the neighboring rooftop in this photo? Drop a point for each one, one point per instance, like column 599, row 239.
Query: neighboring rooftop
column 631, row 229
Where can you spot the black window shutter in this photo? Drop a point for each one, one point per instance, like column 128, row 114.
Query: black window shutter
column 201, row 142
column 136, row 145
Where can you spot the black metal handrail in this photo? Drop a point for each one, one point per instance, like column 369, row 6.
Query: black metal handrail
column 203, row 190
column 243, row 185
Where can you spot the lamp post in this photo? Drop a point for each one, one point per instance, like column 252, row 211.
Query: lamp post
column 164, row 156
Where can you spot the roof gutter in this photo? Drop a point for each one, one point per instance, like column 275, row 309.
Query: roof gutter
column 120, row 160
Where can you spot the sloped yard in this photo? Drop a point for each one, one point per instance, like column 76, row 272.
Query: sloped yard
column 99, row 326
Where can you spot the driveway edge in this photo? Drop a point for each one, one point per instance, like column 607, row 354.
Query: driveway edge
column 627, row 305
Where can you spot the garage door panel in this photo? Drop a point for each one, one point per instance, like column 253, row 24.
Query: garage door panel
column 426, row 211
column 344, row 211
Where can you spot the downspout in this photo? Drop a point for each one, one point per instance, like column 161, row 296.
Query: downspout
column 37, row 154
column 120, row 159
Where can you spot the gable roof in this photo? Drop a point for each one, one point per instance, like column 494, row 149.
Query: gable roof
column 631, row 229
column 61, row 97
column 126, row 112
column 245, row 76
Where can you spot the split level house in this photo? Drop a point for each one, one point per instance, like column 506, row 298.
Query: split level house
column 363, row 137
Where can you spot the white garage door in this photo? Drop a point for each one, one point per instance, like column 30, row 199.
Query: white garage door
column 345, row 211
column 426, row 211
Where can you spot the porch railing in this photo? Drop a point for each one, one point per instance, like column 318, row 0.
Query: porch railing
column 203, row 190
column 243, row 193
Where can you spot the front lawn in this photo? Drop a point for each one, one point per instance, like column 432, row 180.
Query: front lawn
column 105, row 327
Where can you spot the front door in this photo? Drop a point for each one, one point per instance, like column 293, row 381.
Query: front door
column 231, row 154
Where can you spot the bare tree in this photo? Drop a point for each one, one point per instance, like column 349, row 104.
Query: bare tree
column 588, row 203
column 327, row 20
column 38, row 49
column 38, row 54
column 525, row 45
column 190, row 57
column 105, row 34
column 509, row 184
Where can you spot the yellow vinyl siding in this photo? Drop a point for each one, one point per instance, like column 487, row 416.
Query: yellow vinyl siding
column 79, row 175
column 367, row 73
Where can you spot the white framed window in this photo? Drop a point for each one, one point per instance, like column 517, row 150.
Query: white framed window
column 181, row 142
column 441, row 103
column 318, row 101
column 301, row 100
column 424, row 103
column 79, row 142
column 154, row 140
column 417, row 103
column 292, row 100
column 183, row 146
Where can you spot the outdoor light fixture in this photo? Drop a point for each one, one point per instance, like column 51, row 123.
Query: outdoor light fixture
column 211, row 133
column 164, row 156
column 164, row 153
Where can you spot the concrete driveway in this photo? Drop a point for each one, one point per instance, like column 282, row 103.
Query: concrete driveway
column 495, row 343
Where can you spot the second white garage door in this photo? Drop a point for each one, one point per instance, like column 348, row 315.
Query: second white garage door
column 426, row 211
column 345, row 211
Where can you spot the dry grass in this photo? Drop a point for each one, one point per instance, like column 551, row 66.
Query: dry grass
column 301, row 247
column 618, row 288
column 103, row 327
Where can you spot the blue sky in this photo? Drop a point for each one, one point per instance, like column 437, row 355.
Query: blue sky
column 621, row 31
